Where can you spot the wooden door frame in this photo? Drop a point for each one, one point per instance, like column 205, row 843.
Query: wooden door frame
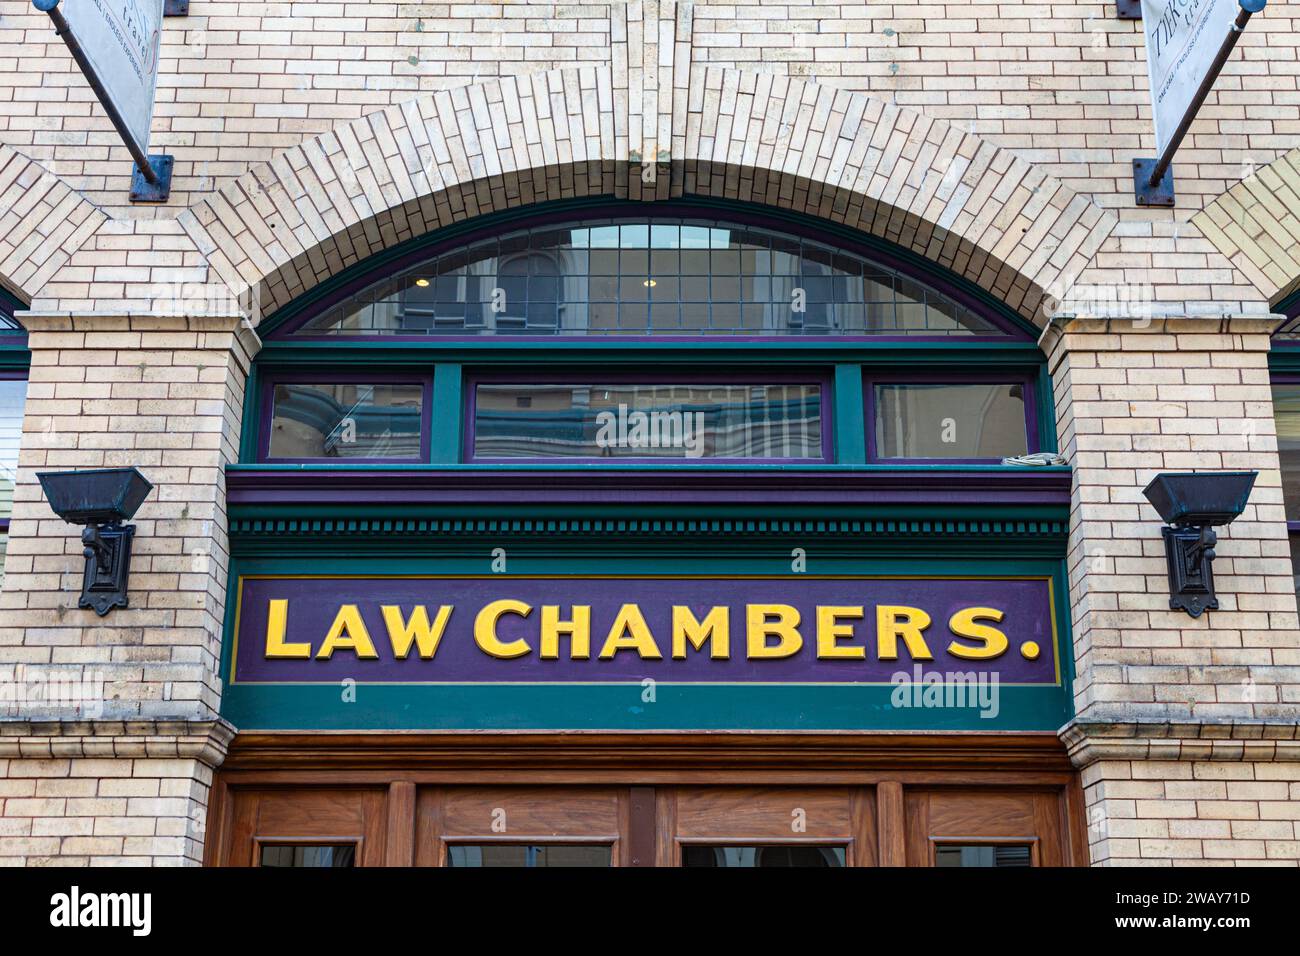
column 890, row 762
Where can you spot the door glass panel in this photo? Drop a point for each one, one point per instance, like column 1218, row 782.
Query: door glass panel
column 527, row 854
column 309, row 855
column 800, row 855
column 999, row 854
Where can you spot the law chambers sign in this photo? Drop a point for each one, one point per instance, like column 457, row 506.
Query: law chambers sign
column 563, row 629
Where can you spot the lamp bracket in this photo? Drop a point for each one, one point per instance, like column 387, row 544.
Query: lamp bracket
column 1189, row 551
column 108, row 565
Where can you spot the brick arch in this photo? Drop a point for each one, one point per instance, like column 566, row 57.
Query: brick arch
column 401, row 172
column 1256, row 225
column 43, row 222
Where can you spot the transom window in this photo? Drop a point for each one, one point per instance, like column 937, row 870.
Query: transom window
column 650, row 335
column 648, row 421
column 652, row 276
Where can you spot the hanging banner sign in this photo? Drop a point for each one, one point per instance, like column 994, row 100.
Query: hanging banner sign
column 1183, row 40
column 116, row 44
column 841, row 630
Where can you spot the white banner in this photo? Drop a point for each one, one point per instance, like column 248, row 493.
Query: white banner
column 1183, row 38
column 121, row 39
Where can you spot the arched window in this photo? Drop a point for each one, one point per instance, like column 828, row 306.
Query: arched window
column 651, row 276
column 650, row 334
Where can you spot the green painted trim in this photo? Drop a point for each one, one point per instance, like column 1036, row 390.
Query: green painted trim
column 619, row 706
column 446, row 414
column 250, row 429
column 1045, row 409
column 414, row 538
column 639, row 352
column 917, row 265
column 10, row 303
column 848, row 416
column 1285, row 359
column 1289, row 305
column 14, row 353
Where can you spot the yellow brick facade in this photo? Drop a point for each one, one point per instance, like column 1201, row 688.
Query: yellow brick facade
column 993, row 139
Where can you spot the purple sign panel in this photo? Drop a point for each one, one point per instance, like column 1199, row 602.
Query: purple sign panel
column 596, row 629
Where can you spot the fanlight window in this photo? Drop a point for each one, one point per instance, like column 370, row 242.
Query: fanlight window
column 648, row 277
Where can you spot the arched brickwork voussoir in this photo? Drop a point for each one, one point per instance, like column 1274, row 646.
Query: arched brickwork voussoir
column 43, row 222
column 407, row 170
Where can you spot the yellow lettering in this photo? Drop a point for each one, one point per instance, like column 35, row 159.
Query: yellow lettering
column 905, row 622
column 630, row 632
column 416, row 630
column 277, row 622
column 578, row 629
column 830, row 631
column 964, row 624
column 758, row 629
column 485, row 629
column 715, row 628
column 348, row 633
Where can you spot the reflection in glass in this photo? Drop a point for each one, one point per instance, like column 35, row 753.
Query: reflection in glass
column 784, row 855
column 633, row 421
column 983, row 856
column 1295, row 562
column 309, row 855
column 974, row 421
column 13, row 395
column 662, row 277
column 346, row 421
column 528, row 855
column 1286, row 415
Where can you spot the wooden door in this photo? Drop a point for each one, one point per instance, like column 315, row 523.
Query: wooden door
column 540, row 826
column 307, row 826
column 969, row 827
column 766, row 826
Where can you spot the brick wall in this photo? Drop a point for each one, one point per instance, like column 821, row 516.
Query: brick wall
column 1062, row 83
column 165, row 395
column 106, row 794
column 1184, row 793
column 1133, row 400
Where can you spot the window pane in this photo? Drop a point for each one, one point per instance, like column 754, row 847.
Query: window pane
column 755, row 856
column 1286, row 414
column 636, row 421
column 531, row 855
column 600, row 277
column 13, row 395
column 976, row 421
column 346, row 421
column 978, row 856
column 1295, row 562
column 309, row 855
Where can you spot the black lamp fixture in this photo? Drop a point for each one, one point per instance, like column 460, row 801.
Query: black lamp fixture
column 1194, row 504
column 101, row 499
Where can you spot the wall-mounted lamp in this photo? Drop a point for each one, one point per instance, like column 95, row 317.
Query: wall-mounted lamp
column 101, row 499
column 1194, row 504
